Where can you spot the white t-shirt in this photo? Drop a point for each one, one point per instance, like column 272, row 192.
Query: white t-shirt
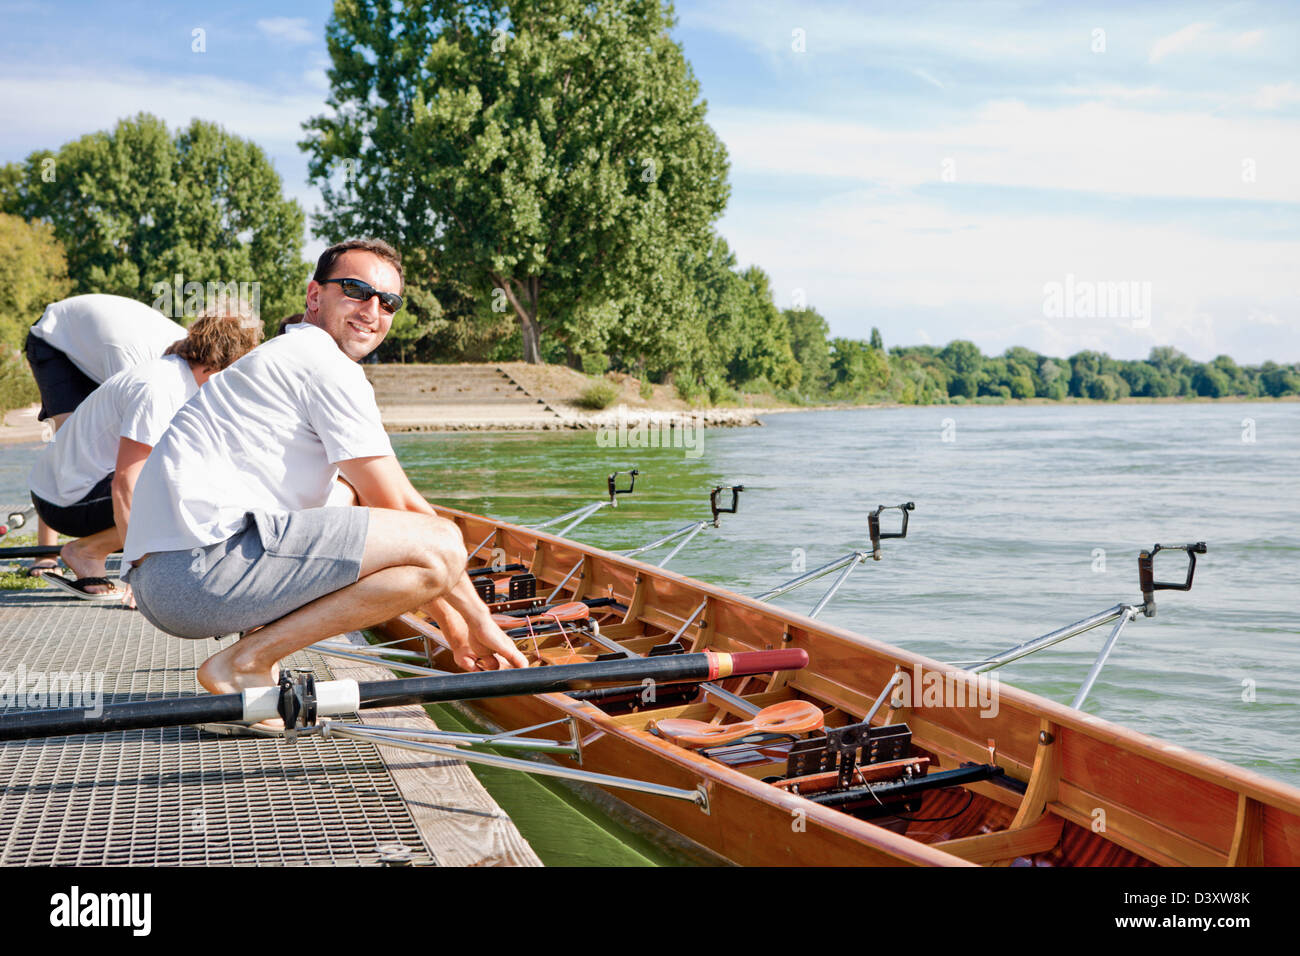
column 137, row 403
column 104, row 334
column 266, row 434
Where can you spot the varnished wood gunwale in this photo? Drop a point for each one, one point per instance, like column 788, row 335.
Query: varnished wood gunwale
column 1094, row 763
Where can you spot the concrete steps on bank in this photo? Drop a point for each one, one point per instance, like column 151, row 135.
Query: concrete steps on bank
column 455, row 397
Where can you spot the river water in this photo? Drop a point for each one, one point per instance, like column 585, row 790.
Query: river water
column 1027, row 518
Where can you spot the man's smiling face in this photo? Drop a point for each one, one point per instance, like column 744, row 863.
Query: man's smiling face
column 358, row 327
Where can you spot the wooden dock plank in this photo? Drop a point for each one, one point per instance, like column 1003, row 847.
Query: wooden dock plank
column 459, row 819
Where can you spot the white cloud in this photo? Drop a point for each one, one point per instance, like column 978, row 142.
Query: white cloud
column 927, row 77
column 954, row 32
column 292, row 30
column 866, row 259
column 1115, row 91
column 1177, row 41
column 1091, row 147
column 1276, row 96
column 1247, row 40
column 316, row 79
column 52, row 107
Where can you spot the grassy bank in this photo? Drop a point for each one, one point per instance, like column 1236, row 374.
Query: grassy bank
column 17, row 387
column 14, row 576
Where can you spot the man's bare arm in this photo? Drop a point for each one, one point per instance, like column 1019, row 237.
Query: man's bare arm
column 464, row 619
column 131, row 456
column 381, row 483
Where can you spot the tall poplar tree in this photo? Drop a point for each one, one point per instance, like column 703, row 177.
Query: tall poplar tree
column 548, row 154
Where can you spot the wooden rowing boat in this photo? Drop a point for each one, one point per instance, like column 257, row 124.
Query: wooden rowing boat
column 1036, row 783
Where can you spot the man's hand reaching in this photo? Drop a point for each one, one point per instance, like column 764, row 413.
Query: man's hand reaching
column 477, row 644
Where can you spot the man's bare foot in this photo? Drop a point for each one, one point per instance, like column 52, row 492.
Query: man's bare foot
column 44, row 564
column 86, row 565
column 221, row 674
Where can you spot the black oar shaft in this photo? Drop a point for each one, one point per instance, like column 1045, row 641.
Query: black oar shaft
column 136, row 715
column 31, row 551
column 534, row 680
column 176, row 711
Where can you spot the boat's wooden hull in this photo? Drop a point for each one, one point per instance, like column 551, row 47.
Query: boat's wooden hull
column 1078, row 790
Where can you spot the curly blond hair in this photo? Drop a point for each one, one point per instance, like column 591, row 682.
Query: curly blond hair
column 219, row 337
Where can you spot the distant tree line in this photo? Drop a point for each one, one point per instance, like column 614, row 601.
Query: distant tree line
column 852, row 370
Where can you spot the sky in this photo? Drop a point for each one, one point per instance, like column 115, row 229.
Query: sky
column 936, row 170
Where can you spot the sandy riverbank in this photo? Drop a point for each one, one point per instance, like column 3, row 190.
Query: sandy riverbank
column 20, row 427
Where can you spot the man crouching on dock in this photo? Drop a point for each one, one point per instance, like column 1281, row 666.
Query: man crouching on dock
column 230, row 531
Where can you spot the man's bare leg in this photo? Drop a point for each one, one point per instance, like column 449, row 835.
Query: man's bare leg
column 409, row 560
column 88, row 556
column 46, row 536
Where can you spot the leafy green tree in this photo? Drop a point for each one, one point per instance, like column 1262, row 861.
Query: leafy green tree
column 1055, row 376
column 859, row 369
column 967, row 364
column 1107, row 387
column 993, row 377
column 672, row 327
column 1020, row 380
column 1025, row 362
column 1173, row 364
column 808, row 331
column 1007, row 377
column 34, row 272
column 923, row 365
column 1085, row 368
column 137, row 206
column 1278, row 380
column 757, row 337
column 1239, row 382
column 550, row 152
column 916, row 379
column 1209, row 381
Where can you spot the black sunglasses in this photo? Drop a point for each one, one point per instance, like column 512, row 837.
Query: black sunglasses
column 361, row 291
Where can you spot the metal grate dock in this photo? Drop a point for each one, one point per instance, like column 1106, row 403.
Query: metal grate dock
column 179, row 796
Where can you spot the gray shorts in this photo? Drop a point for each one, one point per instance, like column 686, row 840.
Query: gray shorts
column 276, row 564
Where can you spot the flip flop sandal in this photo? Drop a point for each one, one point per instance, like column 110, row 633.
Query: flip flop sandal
column 38, row 569
column 78, row 587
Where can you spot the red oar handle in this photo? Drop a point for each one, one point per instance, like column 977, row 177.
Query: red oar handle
column 758, row 662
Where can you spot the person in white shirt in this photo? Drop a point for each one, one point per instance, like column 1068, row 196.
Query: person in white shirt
column 82, row 484
column 81, row 342
column 231, row 531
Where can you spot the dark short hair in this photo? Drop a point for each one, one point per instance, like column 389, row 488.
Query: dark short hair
column 287, row 321
column 325, row 264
